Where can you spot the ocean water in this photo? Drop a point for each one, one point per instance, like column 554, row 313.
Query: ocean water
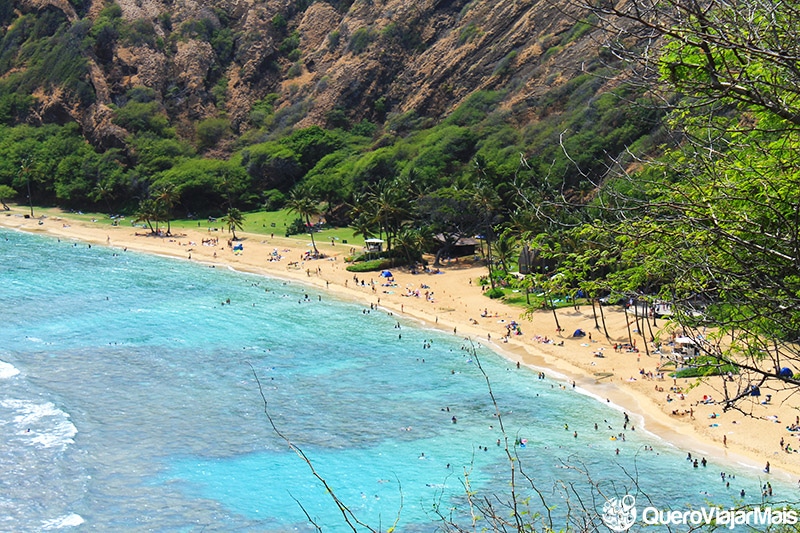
column 131, row 400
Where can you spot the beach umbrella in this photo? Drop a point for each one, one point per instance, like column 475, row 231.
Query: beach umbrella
column 386, row 274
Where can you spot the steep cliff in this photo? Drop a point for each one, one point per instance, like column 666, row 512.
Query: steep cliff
column 326, row 61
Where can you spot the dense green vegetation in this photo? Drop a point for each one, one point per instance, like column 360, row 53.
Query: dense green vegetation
column 711, row 224
column 407, row 157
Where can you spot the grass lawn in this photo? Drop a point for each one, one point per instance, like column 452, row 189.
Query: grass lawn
column 259, row 222
column 517, row 298
column 266, row 222
column 51, row 212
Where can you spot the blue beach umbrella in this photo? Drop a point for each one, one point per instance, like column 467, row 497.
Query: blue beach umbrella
column 386, row 274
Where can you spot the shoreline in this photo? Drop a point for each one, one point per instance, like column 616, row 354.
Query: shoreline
column 455, row 306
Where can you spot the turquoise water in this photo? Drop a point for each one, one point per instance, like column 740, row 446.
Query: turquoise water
column 128, row 402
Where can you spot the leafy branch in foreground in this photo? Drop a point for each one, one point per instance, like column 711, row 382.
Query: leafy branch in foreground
column 711, row 222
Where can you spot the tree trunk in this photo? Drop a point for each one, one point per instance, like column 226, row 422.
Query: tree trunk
column 489, row 262
column 555, row 316
column 436, row 258
column 650, row 329
column 594, row 313
column 628, row 324
column 603, row 320
column 641, row 329
column 30, row 198
column 311, row 232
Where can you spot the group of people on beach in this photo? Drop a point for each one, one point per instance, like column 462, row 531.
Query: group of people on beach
column 626, row 347
column 415, row 293
column 652, row 375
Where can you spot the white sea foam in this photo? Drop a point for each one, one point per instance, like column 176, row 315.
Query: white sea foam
column 70, row 520
column 46, row 425
column 7, row 370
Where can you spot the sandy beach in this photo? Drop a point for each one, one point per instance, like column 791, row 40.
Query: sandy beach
column 673, row 410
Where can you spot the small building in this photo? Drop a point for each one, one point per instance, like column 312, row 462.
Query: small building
column 527, row 260
column 462, row 247
column 373, row 245
column 686, row 346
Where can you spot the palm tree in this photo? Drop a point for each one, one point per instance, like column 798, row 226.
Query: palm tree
column 6, row 192
column 410, row 242
column 105, row 193
column 361, row 216
column 25, row 169
column 167, row 197
column 389, row 206
column 362, row 226
column 505, row 249
column 301, row 202
column 234, row 219
column 528, row 283
column 486, row 200
column 387, row 211
column 148, row 212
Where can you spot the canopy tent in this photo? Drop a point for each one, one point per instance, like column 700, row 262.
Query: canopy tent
column 685, row 340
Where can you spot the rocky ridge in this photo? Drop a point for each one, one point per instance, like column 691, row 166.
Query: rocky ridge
column 370, row 58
